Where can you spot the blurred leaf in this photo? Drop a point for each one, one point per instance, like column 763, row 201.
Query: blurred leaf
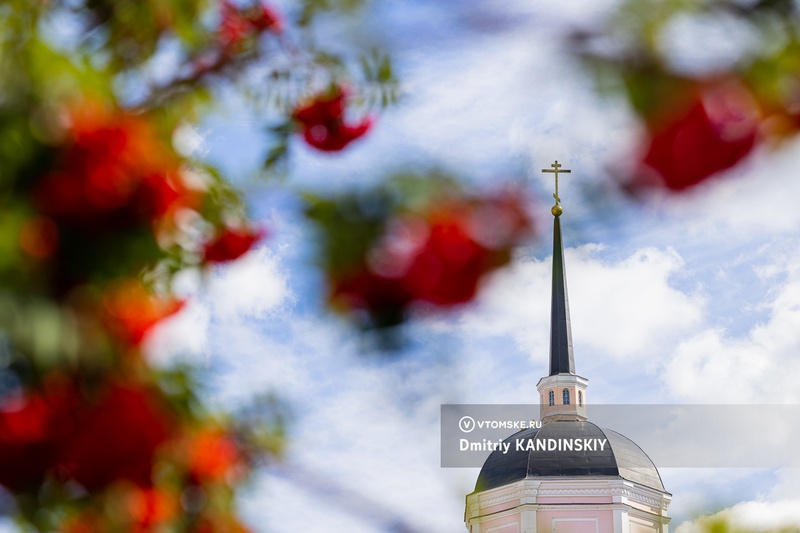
column 310, row 9
column 276, row 155
column 381, row 86
column 348, row 226
column 785, row 8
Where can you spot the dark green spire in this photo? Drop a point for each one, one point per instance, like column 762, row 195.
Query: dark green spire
column 561, row 359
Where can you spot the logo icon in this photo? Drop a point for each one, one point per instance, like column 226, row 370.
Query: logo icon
column 466, row 424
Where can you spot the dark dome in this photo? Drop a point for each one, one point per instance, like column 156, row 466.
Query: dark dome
column 620, row 458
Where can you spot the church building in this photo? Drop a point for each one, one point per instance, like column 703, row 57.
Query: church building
column 557, row 478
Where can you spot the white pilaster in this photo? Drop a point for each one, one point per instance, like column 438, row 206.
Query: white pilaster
column 527, row 520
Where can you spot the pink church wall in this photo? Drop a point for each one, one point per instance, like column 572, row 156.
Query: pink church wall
column 506, row 524
column 575, row 521
column 500, row 507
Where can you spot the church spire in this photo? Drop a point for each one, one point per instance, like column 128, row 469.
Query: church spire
column 561, row 359
column 562, row 392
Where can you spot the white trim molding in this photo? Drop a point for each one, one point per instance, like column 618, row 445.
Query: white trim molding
column 625, row 498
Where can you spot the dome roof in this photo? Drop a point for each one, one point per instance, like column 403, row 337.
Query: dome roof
column 619, row 458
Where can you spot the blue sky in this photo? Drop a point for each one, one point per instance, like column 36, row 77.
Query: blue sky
column 690, row 299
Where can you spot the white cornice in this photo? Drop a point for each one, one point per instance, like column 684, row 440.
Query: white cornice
column 563, row 379
column 527, row 490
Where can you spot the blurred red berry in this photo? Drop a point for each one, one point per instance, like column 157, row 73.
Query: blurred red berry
column 214, row 456
column 85, row 522
column 131, row 310
column 333, row 137
column 323, row 124
column 38, row 237
column 28, row 438
column 234, row 26
column 715, row 130
column 449, row 267
column 230, row 244
column 150, row 508
column 239, row 24
column 382, row 297
column 111, row 173
column 91, row 441
column 322, row 108
column 440, row 258
column 116, row 437
column 265, row 18
column 218, row 524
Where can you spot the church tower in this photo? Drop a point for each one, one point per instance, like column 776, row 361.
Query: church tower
column 545, row 482
column 562, row 394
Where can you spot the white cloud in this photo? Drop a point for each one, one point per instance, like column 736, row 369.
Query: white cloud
column 697, row 44
column 189, row 141
column 376, row 448
column 183, row 336
column 787, row 485
column 514, row 303
column 629, row 309
column 277, row 504
column 758, row 366
column 756, row 198
column 291, row 355
column 553, row 14
column 359, row 450
column 700, row 491
column 484, row 103
column 620, row 309
column 252, row 287
column 751, row 516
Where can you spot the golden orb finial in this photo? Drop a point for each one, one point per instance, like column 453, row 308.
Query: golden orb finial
column 556, row 210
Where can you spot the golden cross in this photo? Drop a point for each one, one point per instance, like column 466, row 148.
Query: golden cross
column 555, row 170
